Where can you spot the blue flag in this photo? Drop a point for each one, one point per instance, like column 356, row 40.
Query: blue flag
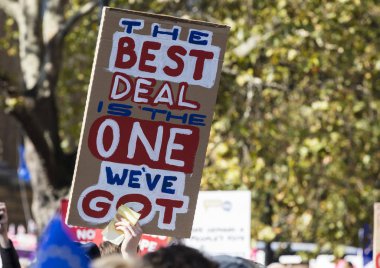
column 58, row 250
column 22, row 171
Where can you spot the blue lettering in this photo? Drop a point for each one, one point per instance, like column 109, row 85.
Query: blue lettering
column 119, row 109
column 171, row 32
column 197, row 120
column 152, row 183
column 115, row 178
column 183, row 117
column 198, row 37
column 154, row 112
column 167, row 183
column 133, row 180
column 130, row 24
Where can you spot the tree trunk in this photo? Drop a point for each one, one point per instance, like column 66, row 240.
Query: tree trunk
column 42, row 29
column 44, row 201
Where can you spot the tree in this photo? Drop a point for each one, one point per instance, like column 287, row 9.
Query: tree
column 296, row 121
column 42, row 28
column 298, row 118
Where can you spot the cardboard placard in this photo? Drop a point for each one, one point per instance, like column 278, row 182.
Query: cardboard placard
column 80, row 234
column 147, row 120
column 376, row 236
column 151, row 243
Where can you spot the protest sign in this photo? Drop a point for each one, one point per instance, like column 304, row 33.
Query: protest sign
column 80, row 234
column 376, row 236
column 147, row 120
column 151, row 243
column 222, row 223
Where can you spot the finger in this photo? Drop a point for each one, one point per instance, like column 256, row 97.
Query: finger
column 123, row 222
column 139, row 229
column 131, row 230
column 138, row 226
column 126, row 221
column 119, row 223
column 136, row 231
column 122, row 230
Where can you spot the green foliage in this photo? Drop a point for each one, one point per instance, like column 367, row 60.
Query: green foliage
column 297, row 113
column 297, row 117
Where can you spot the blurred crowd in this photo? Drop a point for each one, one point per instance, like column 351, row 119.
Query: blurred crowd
column 126, row 254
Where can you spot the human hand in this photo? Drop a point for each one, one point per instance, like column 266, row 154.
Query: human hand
column 132, row 235
column 4, row 242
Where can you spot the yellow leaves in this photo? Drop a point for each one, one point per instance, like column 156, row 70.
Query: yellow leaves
column 292, row 53
column 244, row 77
column 12, row 51
column 233, row 174
column 320, row 105
column 259, row 164
column 221, row 149
column 366, row 159
column 13, row 102
column 266, row 234
column 377, row 65
column 9, row 22
column 314, row 144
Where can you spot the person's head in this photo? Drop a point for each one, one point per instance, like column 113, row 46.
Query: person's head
column 115, row 261
column 176, row 256
column 226, row 261
column 276, row 265
column 107, row 248
column 91, row 250
column 349, row 265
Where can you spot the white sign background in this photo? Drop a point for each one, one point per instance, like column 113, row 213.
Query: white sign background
column 222, row 223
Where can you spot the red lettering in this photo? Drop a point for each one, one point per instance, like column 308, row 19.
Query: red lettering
column 182, row 102
column 143, row 90
column 140, row 153
column 169, row 205
column 377, row 264
column 145, row 56
column 123, row 89
column 147, row 206
column 104, row 206
column 125, row 46
column 201, row 56
column 164, row 95
column 172, row 54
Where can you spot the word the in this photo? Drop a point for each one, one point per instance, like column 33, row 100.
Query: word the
column 120, row 109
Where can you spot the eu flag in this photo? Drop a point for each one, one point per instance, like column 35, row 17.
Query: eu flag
column 58, row 250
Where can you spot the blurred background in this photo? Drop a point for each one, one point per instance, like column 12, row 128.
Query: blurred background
column 296, row 121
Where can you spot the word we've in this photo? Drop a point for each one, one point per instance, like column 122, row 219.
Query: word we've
column 162, row 194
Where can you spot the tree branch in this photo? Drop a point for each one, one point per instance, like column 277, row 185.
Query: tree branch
column 10, row 8
column 82, row 11
column 17, row 107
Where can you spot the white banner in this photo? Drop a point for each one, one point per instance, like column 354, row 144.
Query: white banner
column 222, row 223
